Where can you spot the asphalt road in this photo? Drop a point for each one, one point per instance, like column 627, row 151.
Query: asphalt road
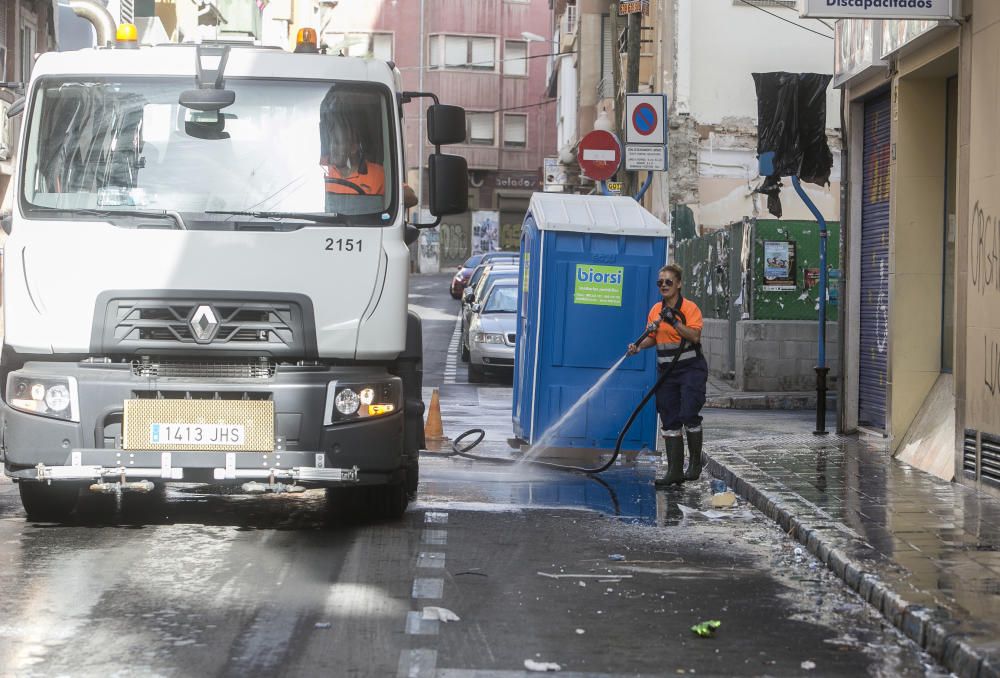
column 603, row 579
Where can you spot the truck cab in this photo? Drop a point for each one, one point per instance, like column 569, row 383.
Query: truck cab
column 206, row 277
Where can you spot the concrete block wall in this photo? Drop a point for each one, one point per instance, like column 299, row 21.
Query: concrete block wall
column 715, row 346
column 780, row 355
column 771, row 355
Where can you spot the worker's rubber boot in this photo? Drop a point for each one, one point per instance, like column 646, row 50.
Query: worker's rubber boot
column 675, row 461
column 693, row 471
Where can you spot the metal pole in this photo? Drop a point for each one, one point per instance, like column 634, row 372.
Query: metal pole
column 821, row 369
column 632, row 77
column 645, row 187
column 420, row 117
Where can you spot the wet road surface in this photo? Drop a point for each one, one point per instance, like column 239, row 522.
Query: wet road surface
column 602, row 578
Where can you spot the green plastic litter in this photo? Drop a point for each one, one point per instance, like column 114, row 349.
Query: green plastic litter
column 706, row 629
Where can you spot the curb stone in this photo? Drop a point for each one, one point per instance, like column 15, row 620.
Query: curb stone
column 934, row 631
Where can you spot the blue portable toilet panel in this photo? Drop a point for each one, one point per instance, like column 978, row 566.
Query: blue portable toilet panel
column 588, row 278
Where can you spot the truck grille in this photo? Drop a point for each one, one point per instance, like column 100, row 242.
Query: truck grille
column 254, row 324
column 152, row 368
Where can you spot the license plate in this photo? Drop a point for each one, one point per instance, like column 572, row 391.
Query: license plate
column 192, row 434
column 208, row 425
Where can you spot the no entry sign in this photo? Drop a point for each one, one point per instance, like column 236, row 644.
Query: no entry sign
column 600, row 155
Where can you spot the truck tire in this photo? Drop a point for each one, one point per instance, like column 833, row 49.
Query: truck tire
column 367, row 503
column 388, row 502
column 48, row 502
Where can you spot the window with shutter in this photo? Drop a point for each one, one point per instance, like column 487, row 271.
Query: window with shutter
column 515, row 130
column 456, row 51
column 483, row 53
column 434, row 51
column 607, row 85
column 382, row 46
column 481, row 128
column 515, row 57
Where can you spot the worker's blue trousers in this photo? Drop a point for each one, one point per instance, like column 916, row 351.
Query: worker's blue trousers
column 681, row 396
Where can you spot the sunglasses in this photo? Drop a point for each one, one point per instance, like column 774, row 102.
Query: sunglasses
column 664, row 283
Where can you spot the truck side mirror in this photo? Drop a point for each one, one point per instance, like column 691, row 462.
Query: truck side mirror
column 445, row 124
column 449, row 184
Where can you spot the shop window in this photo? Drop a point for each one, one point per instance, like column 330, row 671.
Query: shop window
column 515, row 130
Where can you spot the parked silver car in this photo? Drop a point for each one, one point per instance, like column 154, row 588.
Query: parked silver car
column 475, row 295
column 492, row 331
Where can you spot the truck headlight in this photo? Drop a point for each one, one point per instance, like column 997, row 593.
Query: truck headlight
column 347, row 402
column 487, row 338
column 54, row 397
column 354, row 401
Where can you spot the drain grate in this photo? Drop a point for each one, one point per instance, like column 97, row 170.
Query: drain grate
column 969, row 452
column 989, row 459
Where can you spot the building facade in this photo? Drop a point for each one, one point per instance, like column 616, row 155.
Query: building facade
column 488, row 56
column 27, row 27
column 922, row 327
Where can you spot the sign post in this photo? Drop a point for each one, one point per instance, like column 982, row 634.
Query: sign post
column 645, row 135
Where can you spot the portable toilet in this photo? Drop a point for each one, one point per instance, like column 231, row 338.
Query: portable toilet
column 588, row 274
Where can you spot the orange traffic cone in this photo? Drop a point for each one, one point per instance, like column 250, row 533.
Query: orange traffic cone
column 433, row 430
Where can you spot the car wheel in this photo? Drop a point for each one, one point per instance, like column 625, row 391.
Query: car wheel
column 48, row 502
column 476, row 373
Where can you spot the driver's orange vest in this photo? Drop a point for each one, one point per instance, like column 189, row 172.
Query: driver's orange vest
column 371, row 182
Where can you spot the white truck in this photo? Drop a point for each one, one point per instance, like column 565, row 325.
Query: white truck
column 206, row 276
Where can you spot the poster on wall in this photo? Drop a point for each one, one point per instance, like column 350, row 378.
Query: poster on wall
column 779, row 266
column 485, row 231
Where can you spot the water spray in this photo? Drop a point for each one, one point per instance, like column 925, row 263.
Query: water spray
column 463, row 450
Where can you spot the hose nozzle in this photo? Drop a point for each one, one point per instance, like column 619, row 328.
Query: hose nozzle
column 649, row 331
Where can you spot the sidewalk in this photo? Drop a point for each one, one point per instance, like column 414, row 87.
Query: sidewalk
column 721, row 394
column 925, row 552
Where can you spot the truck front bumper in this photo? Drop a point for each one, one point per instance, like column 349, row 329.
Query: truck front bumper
column 304, row 468
column 308, row 449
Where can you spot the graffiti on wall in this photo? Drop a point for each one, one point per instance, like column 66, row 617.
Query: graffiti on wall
column 454, row 243
column 879, row 171
column 485, row 231
column 983, row 342
column 984, row 252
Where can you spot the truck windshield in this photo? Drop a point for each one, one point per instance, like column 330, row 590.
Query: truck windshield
column 283, row 147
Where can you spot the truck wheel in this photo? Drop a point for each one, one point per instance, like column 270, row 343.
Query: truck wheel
column 388, row 502
column 476, row 373
column 412, row 476
column 48, row 502
column 344, row 505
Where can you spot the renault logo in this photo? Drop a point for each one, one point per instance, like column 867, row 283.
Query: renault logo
column 204, row 324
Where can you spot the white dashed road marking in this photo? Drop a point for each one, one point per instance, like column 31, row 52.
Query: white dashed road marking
column 428, row 587
column 435, row 537
column 451, row 362
column 417, row 664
